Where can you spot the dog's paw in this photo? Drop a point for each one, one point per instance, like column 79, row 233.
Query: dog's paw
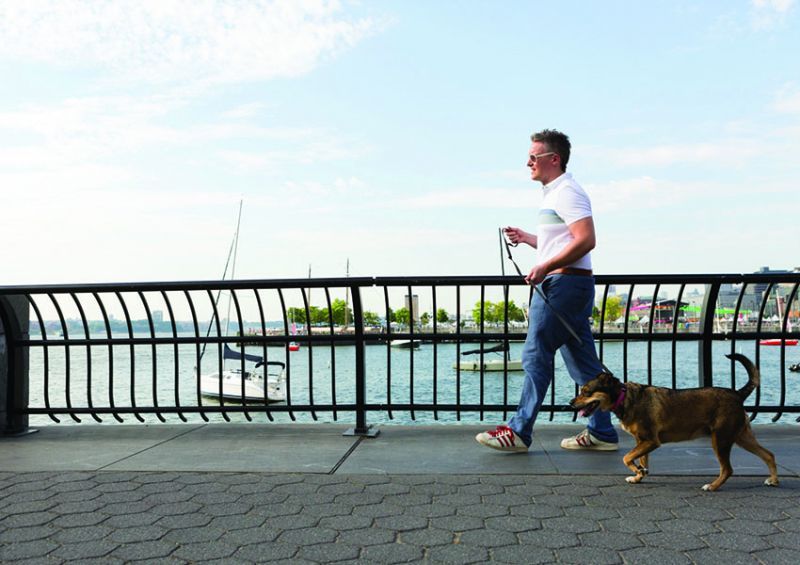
column 634, row 479
column 770, row 482
column 708, row 487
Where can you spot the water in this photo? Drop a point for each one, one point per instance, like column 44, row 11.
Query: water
column 176, row 382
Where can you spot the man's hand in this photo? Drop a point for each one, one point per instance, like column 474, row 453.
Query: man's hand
column 537, row 275
column 516, row 235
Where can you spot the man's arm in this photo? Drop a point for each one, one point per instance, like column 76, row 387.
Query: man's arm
column 584, row 241
column 516, row 235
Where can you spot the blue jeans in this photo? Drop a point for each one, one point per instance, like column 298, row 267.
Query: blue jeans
column 573, row 297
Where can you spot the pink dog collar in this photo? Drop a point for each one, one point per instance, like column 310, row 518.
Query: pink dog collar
column 620, row 400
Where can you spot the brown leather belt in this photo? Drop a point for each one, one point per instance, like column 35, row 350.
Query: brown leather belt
column 572, row 271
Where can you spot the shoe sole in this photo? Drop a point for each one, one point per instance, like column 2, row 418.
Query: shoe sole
column 514, row 449
column 593, row 448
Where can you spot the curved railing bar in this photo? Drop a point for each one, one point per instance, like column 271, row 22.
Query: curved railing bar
column 264, row 354
column 288, row 356
column 784, row 328
column 458, row 352
column 734, row 327
column 196, row 374
column 388, row 353
column 411, row 351
column 333, row 351
column 650, row 334
column 132, row 352
column 67, row 356
column 625, row 339
column 240, row 323
column 310, row 353
column 107, row 325
column 761, row 310
column 176, row 354
column 602, row 329
column 154, row 353
column 435, row 358
column 483, row 330
column 88, row 355
column 675, row 321
column 45, row 356
column 220, row 360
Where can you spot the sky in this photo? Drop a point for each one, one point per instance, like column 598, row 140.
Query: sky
column 392, row 134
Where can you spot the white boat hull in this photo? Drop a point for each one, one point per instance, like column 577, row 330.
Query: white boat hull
column 489, row 365
column 232, row 382
column 404, row 343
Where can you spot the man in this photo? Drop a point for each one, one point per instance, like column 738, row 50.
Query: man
column 564, row 241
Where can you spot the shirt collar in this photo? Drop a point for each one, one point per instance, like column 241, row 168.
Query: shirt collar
column 555, row 182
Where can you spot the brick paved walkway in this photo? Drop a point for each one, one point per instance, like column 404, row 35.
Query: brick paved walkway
column 115, row 517
column 265, row 493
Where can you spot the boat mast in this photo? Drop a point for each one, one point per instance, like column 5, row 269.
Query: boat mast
column 233, row 268
column 231, row 252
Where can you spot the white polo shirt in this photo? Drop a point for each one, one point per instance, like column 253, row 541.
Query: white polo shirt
column 564, row 202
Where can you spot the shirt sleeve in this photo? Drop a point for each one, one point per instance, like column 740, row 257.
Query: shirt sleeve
column 573, row 205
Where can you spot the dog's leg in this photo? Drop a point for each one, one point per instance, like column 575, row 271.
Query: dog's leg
column 748, row 441
column 643, row 447
column 722, row 447
column 643, row 463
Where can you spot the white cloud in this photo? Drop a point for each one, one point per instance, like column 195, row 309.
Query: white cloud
column 173, row 41
column 787, row 100
column 725, row 152
column 474, row 198
column 768, row 13
column 244, row 111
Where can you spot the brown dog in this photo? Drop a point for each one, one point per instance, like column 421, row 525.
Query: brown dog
column 655, row 415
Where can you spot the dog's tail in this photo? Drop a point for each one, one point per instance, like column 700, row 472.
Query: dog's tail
column 752, row 372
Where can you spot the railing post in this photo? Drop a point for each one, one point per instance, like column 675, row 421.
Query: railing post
column 705, row 345
column 361, row 429
column 14, row 326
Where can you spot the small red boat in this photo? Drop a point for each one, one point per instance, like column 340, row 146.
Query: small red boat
column 778, row 341
column 293, row 346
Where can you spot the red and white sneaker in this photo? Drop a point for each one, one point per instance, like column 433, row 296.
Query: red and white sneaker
column 502, row 438
column 586, row 441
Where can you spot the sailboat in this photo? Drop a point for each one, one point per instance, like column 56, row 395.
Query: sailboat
column 293, row 345
column 790, row 341
column 250, row 386
column 236, row 384
column 494, row 364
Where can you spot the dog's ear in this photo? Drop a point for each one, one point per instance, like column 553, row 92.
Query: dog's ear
column 607, row 380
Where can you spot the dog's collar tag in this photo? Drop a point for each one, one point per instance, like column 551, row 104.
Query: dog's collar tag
column 620, row 400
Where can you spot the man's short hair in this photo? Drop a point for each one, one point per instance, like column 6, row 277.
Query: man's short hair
column 556, row 142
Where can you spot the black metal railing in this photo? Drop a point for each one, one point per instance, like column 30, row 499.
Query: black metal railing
column 121, row 350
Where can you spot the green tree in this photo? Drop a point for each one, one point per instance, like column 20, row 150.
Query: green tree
column 483, row 312
column 402, row 316
column 494, row 313
column 371, row 318
column 442, row 316
column 425, row 318
column 319, row 316
column 339, row 307
column 613, row 309
column 297, row 315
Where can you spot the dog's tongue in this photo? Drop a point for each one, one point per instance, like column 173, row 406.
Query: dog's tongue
column 582, row 413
